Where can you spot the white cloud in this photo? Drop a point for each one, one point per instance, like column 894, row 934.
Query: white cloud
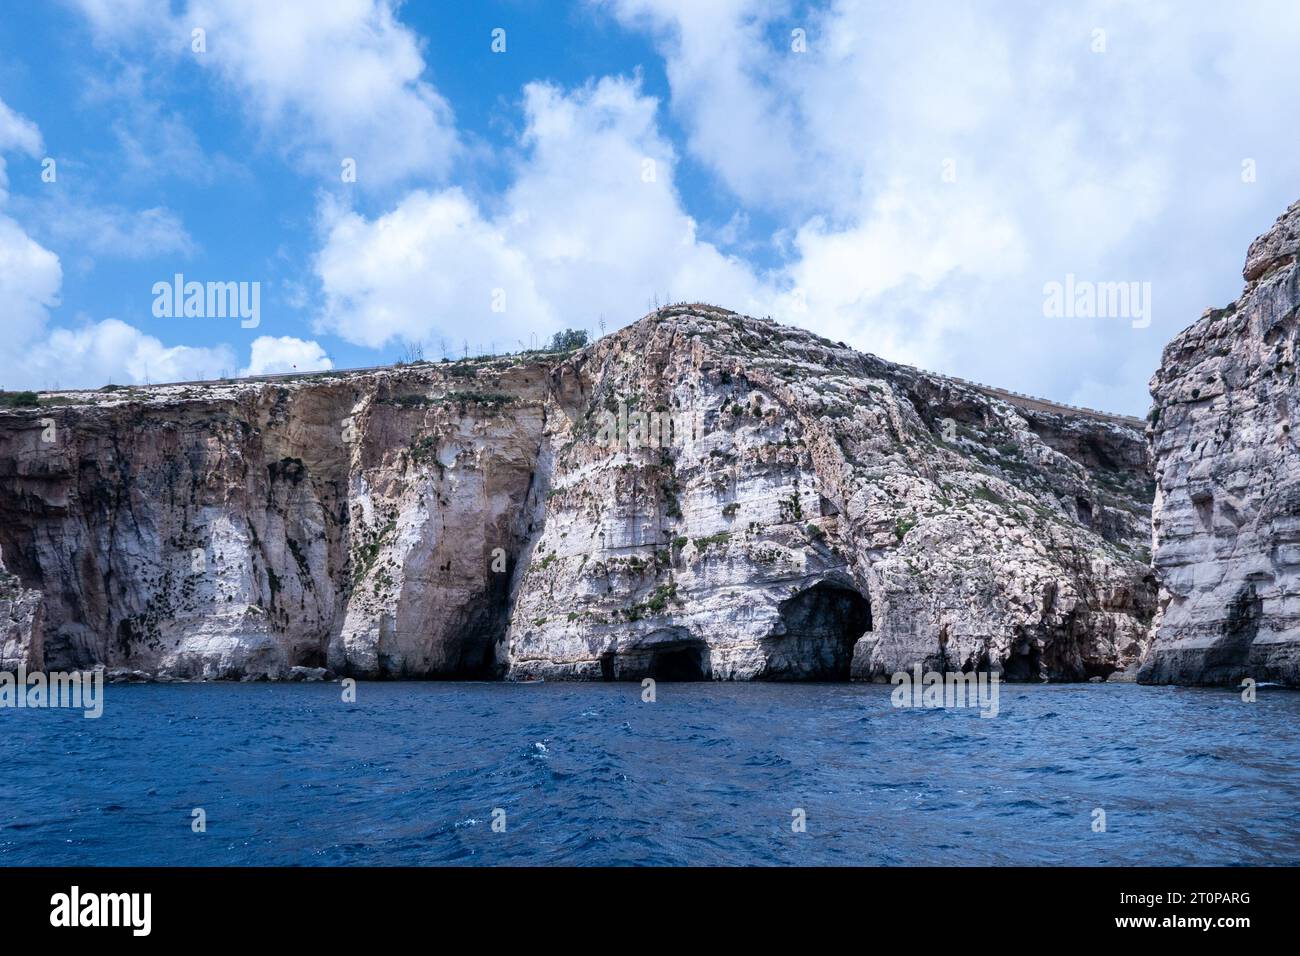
column 592, row 224
column 1122, row 165
column 113, row 351
column 285, row 354
column 18, row 132
column 324, row 80
column 341, row 78
column 30, row 278
column 30, row 274
column 715, row 54
column 30, row 281
column 109, row 231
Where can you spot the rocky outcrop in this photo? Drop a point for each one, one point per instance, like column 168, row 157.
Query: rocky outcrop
column 818, row 512
column 1227, row 509
column 698, row 495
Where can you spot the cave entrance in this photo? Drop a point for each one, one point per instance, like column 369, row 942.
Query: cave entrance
column 679, row 664
column 1024, row 663
column 671, row 655
column 816, row 634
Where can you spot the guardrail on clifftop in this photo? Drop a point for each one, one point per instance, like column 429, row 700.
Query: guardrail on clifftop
column 1046, row 405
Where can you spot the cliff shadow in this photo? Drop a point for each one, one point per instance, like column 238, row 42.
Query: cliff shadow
column 1227, row 659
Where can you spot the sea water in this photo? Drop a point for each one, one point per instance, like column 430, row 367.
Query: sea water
column 707, row 773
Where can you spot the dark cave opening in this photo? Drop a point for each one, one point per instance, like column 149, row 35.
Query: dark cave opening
column 818, row 631
column 1083, row 508
column 679, row 664
column 1024, row 664
column 666, row 656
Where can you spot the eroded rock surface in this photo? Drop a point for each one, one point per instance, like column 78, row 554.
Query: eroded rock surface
column 810, row 512
column 21, row 624
column 1227, row 511
column 245, row 529
column 823, row 513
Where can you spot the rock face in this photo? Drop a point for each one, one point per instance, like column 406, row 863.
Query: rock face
column 1227, row 509
column 236, row 530
column 21, row 624
column 818, row 513
column 700, row 495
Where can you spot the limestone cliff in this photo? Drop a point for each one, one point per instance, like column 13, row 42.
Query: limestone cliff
column 21, row 624
column 1227, row 509
column 698, row 495
column 823, row 511
column 244, row 528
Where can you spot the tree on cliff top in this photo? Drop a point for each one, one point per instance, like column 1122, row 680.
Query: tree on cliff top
column 568, row 340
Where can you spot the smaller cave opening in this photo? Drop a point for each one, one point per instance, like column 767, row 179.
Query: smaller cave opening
column 678, row 664
column 1083, row 508
column 312, row 657
column 1024, row 664
column 672, row 656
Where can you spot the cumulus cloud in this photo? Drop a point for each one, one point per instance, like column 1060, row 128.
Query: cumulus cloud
column 30, row 274
column 939, row 163
column 339, row 78
column 18, row 132
column 31, row 277
column 324, row 80
column 285, row 354
column 36, row 357
column 591, row 225
column 113, row 351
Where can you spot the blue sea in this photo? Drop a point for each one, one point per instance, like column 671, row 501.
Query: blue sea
column 708, row 774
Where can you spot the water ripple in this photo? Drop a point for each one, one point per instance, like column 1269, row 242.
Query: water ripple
column 709, row 774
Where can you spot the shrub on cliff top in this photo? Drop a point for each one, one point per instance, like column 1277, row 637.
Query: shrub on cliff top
column 19, row 400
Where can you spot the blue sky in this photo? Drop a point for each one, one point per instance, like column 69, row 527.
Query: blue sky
column 906, row 178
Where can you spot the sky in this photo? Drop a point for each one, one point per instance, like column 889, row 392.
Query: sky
column 920, row 181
